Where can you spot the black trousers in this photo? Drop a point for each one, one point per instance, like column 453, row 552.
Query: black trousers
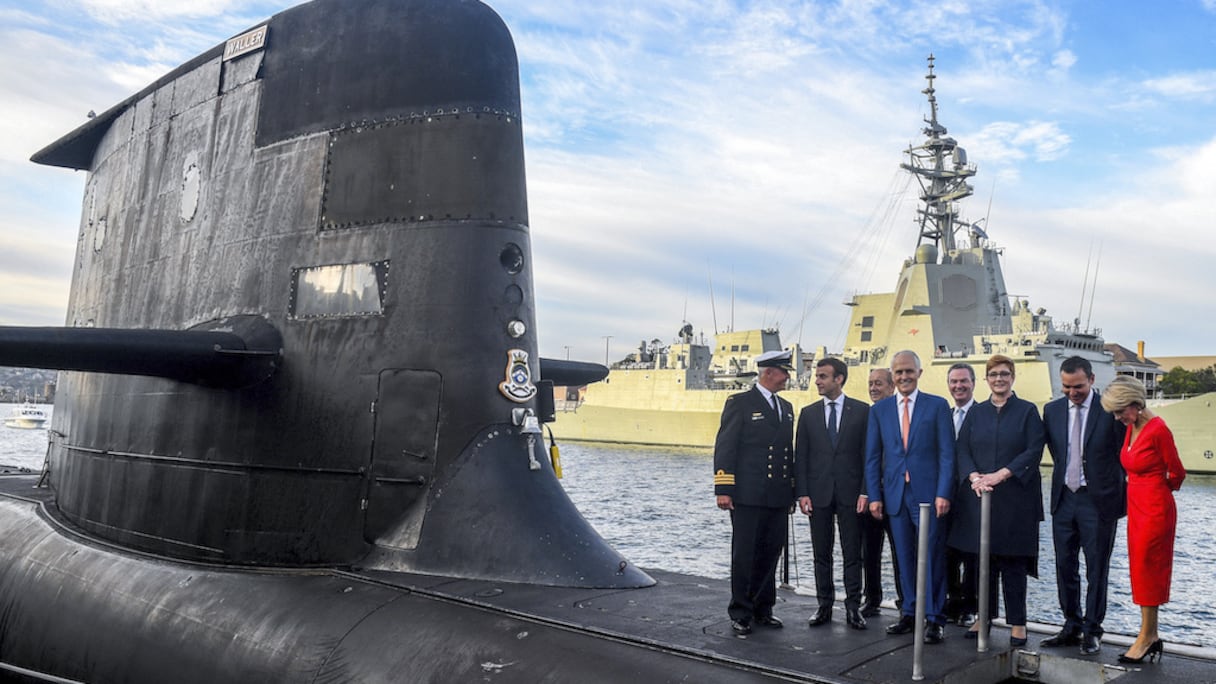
column 824, row 522
column 1010, row 572
column 1075, row 528
column 757, row 538
column 962, row 582
column 872, row 533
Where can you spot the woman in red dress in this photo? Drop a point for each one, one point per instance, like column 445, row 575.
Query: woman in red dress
column 1154, row 473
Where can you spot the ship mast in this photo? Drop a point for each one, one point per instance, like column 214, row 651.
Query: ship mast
column 940, row 166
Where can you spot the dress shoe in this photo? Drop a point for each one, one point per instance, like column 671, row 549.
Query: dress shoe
column 741, row 627
column 935, row 632
column 822, row 615
column 870, row 608
column 906, row 625
column 769, row 621
column 1062, row 638
column 1017, row 642
column 853, row 617
column 1091, row 644
column 1154, row 651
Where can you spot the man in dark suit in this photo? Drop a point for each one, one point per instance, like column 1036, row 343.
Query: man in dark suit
column 961, row 566
column 829, row 468
column 910, row 461
column 1088, row 496
column 881, row 385
column 754, row 480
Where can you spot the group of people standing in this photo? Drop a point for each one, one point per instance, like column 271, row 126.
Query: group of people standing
column 863, row 470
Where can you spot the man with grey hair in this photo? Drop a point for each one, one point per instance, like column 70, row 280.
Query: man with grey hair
column 909, row 462
column 754, row 481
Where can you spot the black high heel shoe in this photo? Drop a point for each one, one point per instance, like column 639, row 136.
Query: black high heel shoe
column 1155, row 650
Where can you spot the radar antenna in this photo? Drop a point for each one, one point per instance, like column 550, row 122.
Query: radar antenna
column 941, row 168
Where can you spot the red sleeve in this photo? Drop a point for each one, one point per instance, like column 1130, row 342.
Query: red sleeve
column 1174, row 472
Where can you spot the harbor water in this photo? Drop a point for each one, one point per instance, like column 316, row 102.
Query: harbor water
column 656, row 507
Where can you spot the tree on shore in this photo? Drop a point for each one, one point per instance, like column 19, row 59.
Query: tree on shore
column 1181, row 381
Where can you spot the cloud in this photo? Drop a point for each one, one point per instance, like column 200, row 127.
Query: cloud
column 1063, row 60
column 1199, row 85
column 1005, row 142
column 1153, row 231
column 37, row 112
column 119, row 11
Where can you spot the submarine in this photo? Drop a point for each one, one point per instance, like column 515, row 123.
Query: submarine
column 300, row 359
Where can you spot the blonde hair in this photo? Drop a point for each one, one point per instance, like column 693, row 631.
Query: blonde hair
column 1122, row 392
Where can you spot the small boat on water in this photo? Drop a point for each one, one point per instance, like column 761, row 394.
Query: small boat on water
column 26, row 417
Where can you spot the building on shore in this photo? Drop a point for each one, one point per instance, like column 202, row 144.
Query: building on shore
column 1137, row 365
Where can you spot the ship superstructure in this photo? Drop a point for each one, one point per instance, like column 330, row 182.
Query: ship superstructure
column 950, row 302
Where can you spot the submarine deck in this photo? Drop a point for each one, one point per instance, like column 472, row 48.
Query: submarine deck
column 684, row 616
column 688, row 614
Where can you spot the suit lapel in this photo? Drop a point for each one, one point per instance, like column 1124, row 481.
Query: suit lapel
column 844, row 420
column 920, row 410
column 1091, row 419
column 1061, row 430
column 894, row 418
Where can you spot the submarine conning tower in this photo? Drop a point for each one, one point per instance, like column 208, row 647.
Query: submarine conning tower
column 345, row 180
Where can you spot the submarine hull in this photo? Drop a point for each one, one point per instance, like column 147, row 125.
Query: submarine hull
column 86, row 612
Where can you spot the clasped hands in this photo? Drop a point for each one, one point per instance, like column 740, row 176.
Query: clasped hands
column 986, row 482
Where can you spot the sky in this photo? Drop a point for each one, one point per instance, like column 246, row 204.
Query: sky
column 736, row 164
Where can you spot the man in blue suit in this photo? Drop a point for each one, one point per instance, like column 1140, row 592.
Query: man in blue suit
column 910, row 461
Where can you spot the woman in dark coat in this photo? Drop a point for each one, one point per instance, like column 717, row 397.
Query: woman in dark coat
column 999, row 449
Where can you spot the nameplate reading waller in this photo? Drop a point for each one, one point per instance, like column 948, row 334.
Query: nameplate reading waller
column 249, row 41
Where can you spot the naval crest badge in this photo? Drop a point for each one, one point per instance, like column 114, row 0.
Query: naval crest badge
column 518, row 385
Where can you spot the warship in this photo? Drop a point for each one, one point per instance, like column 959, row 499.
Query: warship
column 950, row 305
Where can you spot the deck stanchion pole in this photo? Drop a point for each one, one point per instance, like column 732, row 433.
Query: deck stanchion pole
column 983, row 619
column 785, row 558
column 922, row 580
